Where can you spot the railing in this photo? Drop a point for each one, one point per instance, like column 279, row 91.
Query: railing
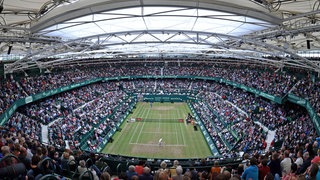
column 23, row 101
column 306, row 104
column 213, row 147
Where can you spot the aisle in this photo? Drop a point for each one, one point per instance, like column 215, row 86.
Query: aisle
column 270, row 138
column 44, row 134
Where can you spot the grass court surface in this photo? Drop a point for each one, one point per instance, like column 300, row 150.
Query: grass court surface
column 161, row 121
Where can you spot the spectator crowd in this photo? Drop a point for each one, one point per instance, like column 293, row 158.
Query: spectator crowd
column 87, row 114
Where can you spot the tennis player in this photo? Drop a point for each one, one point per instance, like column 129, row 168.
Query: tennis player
column 160, row 142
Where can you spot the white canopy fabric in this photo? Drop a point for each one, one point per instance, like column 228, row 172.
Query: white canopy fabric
column 156, row 18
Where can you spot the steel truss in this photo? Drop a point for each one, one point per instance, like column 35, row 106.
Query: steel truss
column 209, row 46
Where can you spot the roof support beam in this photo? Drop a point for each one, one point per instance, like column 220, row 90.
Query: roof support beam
column 239, row 48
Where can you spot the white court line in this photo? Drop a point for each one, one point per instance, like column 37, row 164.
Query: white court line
column 176, row 126
column 186, row 108
column 135, row 129
column 161, row 132
column 144, row 144
column 159, row 127
column 142, row 125
column 183, row 140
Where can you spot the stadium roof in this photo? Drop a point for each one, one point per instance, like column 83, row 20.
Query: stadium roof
column 275, row 32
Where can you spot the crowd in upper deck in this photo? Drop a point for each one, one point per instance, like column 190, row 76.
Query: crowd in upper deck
column 224, row 109
column 267, row 80
column 224, row 122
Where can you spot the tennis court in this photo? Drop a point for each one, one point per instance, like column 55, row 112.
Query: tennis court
column 159, row 131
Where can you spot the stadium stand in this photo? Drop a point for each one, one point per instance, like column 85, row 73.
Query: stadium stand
column 225, row 110
column 72, row 73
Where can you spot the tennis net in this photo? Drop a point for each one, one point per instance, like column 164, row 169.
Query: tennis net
column 159, row 120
